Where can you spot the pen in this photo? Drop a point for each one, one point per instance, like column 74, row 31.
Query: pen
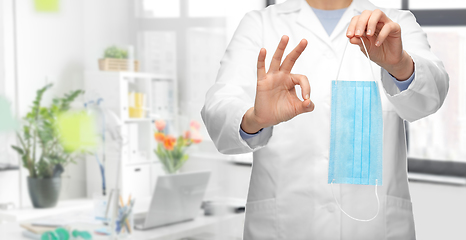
column 129, row 211
column 124, row 217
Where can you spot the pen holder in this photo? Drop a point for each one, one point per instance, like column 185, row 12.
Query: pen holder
column 124, row 225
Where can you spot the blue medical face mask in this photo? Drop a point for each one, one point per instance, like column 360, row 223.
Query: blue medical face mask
column 356, row 137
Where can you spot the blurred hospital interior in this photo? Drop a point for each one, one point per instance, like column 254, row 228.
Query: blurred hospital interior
column 101, row 134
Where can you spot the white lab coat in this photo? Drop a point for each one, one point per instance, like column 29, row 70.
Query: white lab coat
column 289, row 196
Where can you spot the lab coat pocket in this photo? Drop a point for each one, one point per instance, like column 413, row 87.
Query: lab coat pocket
column 260, row 220
column 399, row 219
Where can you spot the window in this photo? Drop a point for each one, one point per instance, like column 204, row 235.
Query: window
column 436, row 143
column 387, row 3
column 187, row 39
column 158, row 8
column 435, row 4
column 379, row 3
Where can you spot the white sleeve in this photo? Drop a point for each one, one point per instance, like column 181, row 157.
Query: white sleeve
column 234, row 90
column 427, row 92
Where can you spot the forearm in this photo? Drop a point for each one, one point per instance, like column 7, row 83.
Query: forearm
column 249, row 123
column 403, row 69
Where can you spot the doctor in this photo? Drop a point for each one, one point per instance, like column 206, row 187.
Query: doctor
column 258, row 104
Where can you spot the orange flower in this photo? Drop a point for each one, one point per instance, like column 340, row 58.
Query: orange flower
column 160, row 125
column 159, row 137
column 169, row 143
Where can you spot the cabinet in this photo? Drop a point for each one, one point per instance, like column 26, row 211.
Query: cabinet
column 139, row 164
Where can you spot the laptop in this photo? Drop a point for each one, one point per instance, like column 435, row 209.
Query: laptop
column 177, row 198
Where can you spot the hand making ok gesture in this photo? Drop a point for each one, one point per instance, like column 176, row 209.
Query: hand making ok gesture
column 276, row 99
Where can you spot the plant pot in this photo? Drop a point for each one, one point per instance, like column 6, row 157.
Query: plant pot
column 116, row 64
column 44, row 192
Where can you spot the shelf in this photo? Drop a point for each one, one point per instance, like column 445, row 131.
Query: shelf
column 145, row 75
column 141, row 162
column 138, row 163
column 133, row 120
column 139, row 75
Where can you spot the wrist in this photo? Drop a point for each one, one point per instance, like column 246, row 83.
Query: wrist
column 403, row 69
column 249, row 123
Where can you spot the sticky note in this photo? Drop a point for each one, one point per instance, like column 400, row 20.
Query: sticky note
column 77, row 131
column 46, row 5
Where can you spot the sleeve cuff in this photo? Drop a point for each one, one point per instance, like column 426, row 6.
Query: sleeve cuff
column 246, row 136
column 403, row 85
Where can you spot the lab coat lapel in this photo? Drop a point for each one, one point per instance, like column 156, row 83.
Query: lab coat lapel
column 343, row 24
column 308, row 19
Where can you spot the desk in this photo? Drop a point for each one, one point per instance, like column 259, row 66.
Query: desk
column 231, row 225
column 81, row 210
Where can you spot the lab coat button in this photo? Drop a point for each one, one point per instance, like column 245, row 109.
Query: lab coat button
column 331, row 208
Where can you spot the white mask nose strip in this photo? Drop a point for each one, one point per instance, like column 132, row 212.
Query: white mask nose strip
column 357, row 219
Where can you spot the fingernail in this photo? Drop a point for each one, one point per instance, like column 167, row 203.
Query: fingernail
column 358, row 32
column 377, row 43
column 369, row 32
column 349, row 33
column 307, row 96
column 309, row 104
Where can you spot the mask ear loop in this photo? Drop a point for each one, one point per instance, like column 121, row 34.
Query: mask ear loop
column 376, row 194
column 343, row 57
column 357, row 219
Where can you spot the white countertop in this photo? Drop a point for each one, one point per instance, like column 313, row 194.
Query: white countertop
column 80, row 213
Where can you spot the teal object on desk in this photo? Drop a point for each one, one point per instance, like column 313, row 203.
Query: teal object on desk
column 58, row 234
column 63, row 234
column 83, row 234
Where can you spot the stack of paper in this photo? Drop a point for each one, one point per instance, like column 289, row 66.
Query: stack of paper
column 34, row 232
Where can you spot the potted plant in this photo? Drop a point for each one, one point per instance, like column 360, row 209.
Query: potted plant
column 116, row 59
column 171, row 151
column 41, row 152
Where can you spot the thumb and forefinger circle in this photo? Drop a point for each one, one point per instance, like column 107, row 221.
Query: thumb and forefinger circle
column 307, row 105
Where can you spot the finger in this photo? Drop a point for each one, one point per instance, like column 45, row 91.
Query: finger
column 355, row 41
column 362, row 23
column 303, row 82
column 387, row 30
column 375, row 18
column 290, row 60
column 261, row 65
column 277, row 56
column 304, row 106
column 352, row 26
column 308, row 105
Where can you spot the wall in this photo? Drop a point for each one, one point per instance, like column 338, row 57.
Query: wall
column 57, row 48
column 10, row 179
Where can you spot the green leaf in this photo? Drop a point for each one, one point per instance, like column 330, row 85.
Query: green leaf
column 115, row 52
column 18, row 149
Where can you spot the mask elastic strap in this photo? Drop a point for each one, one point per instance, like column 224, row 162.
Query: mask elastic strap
column 342, row 57
column 360, row 220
